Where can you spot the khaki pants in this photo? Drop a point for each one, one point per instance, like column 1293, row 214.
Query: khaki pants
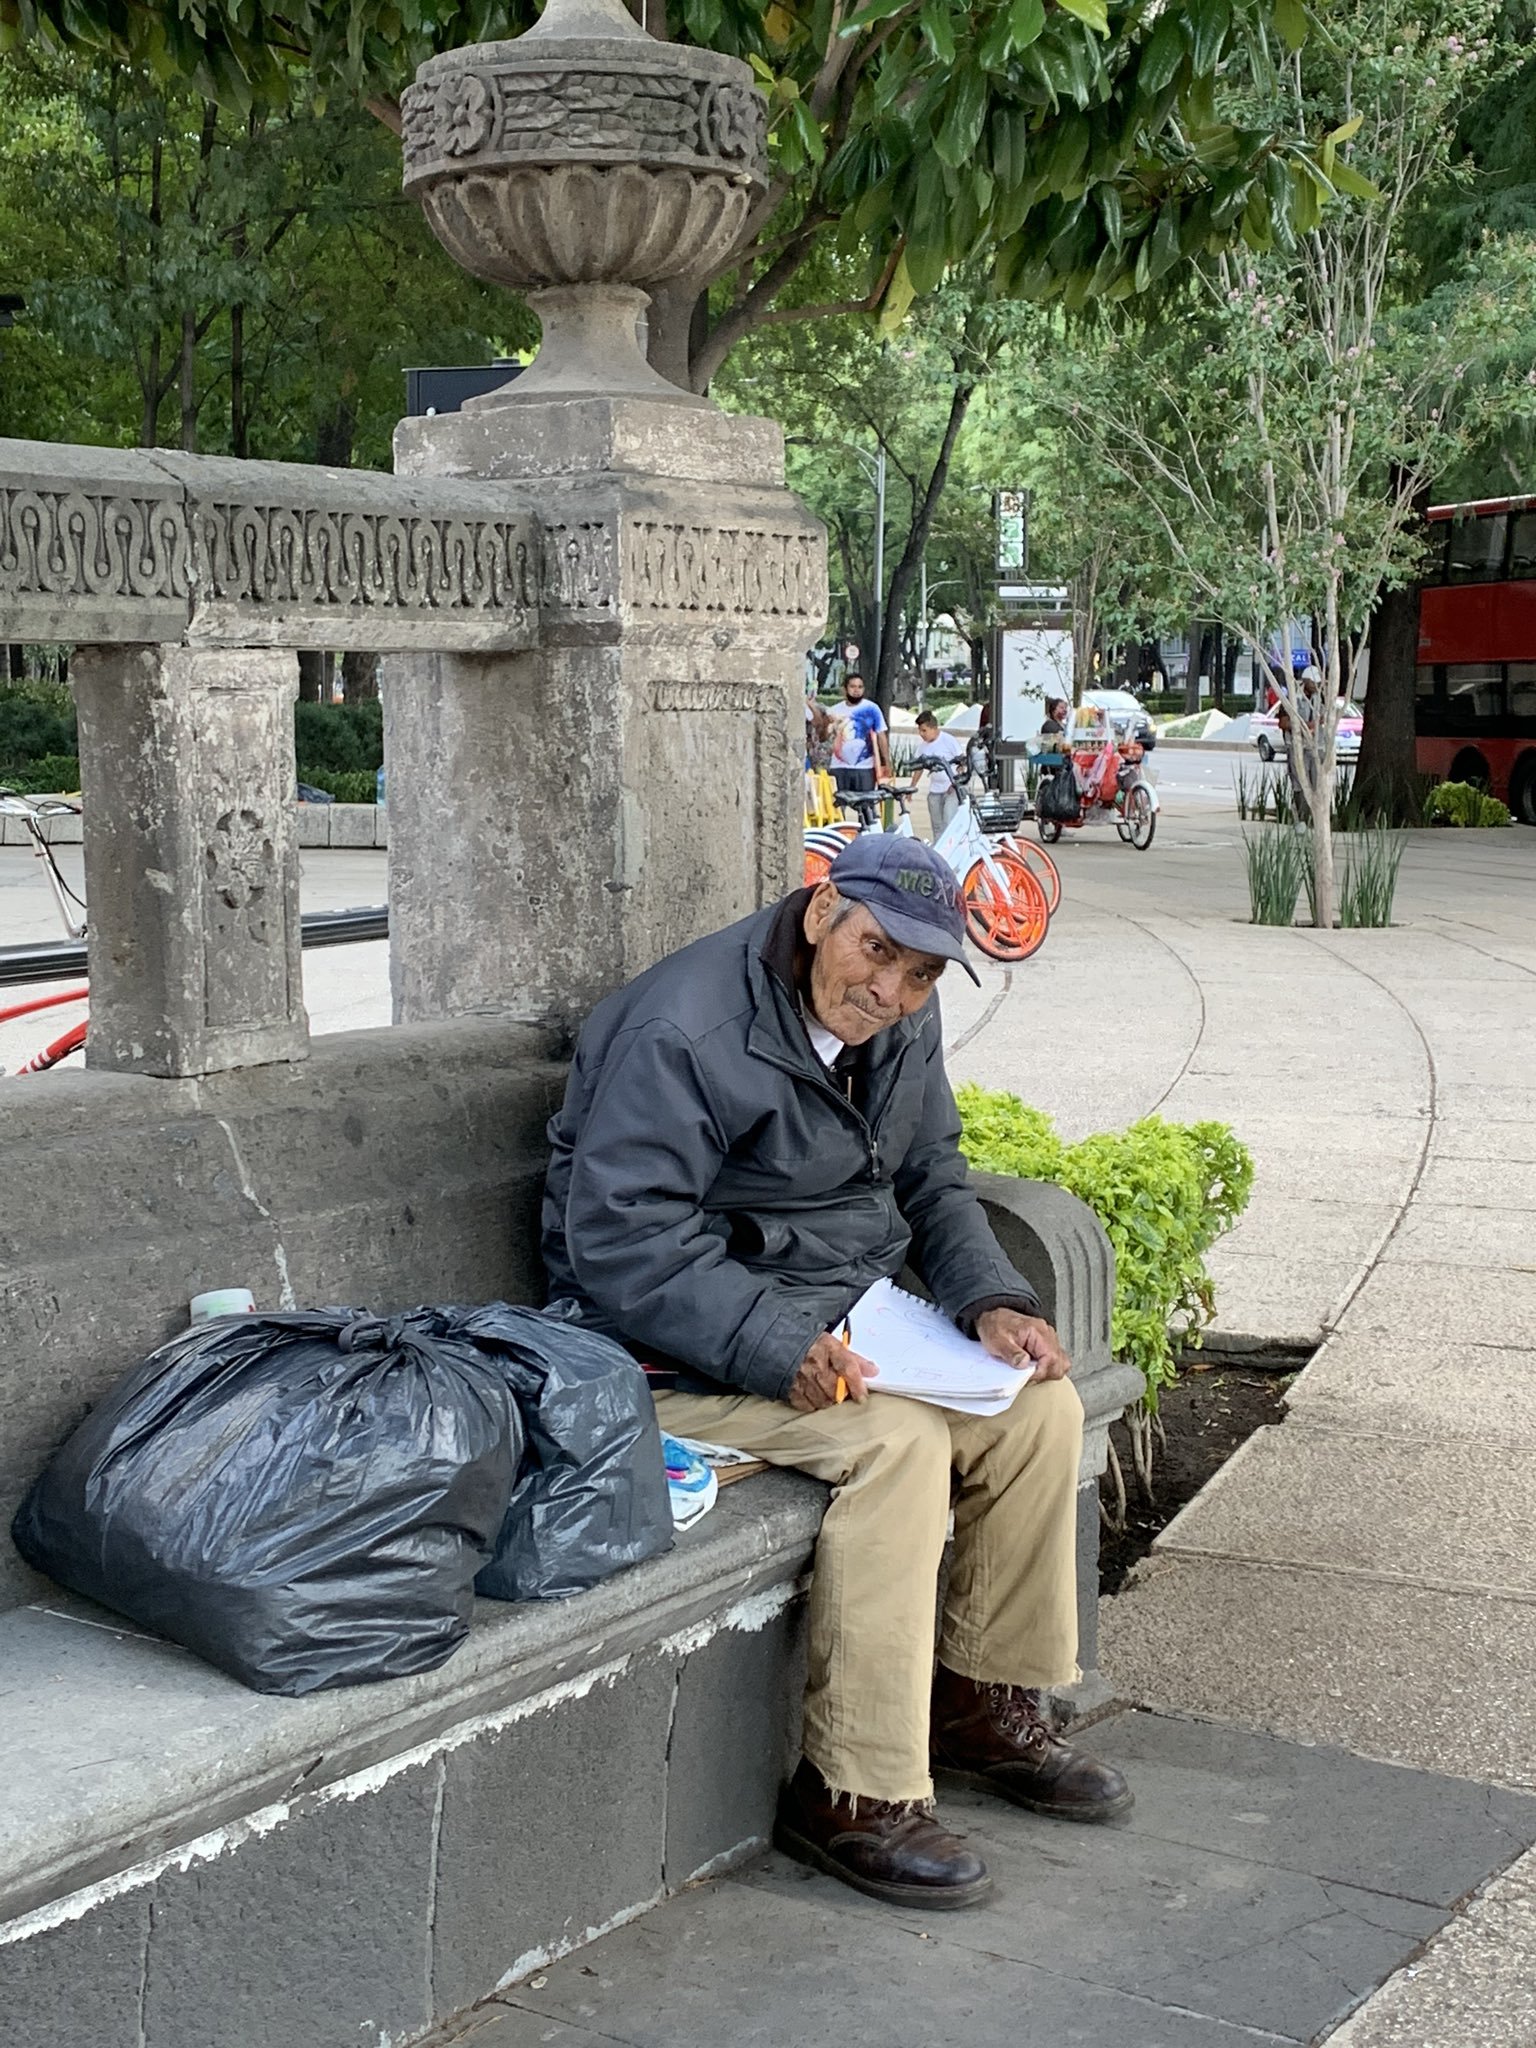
column 1011, row 1612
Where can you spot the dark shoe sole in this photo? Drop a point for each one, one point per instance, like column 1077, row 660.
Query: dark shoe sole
column 1106, row 1809
column 927, row 1898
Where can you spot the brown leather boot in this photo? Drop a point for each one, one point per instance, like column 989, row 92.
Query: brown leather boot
column 1001, row 1737
column 892, row 1849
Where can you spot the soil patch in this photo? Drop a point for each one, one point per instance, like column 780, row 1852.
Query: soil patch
column 1205, row 1415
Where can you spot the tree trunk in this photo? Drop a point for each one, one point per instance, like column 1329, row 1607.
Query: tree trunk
column 187, row 380
column 1229, row 669
column 1196, row 657
column 16, row 663
column 906, row 571
column 359, row 678
column 1218, row 666
column 1387, row 780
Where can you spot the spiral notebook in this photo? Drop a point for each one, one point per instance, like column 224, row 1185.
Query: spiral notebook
column 922, row 1356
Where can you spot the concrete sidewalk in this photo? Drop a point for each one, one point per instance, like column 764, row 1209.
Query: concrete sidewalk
column 1364, row 1574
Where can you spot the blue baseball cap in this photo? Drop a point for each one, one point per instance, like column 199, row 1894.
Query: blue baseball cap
column 909, row 889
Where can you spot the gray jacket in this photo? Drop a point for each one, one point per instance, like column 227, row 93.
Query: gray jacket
column 716, row 1201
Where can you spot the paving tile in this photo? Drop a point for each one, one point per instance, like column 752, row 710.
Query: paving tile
column 1474, row 1986
column 1443, row 1681
column 757, row 1966
column 1261, row 1299
column 1414, row 1834
column 1387, row 1386
column 1455, row 1514
column 1280, row 1214
column 1430, row 1307
column 1470, row 1138
column 1481, row 1182
column 1230, row 1939
column 1484, row 1238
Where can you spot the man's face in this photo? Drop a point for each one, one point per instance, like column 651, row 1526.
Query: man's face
column 853, row 691
column 862, row 981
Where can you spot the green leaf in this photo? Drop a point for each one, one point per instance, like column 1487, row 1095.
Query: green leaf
column 899, row 294
column 811, row 137
column 938, row 30
column 1093, row 12
column 1161, row 58
column 1291, row 22
column 1106, row 198
column 1348, row 131
column 871, row 11
column 1026, row 18
column 1207, row 22
column 960, row 129
column 1065, row 163
column 1347, row 179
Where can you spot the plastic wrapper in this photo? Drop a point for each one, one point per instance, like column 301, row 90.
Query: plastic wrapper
column 302, row 1499
column 592, row 1493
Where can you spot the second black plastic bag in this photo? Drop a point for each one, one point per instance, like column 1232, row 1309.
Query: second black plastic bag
column 592, row 1494
column 302, row 1499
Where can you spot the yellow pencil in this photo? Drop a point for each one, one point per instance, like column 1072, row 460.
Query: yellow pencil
column 842, row 1384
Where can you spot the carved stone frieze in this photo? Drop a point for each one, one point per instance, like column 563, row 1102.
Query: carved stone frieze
column 578, row 566
column 548, row 113
column 167, row 548
column 752, row 570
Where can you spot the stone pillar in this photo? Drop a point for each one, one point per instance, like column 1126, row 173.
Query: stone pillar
column 191, row 858
column 561, row 819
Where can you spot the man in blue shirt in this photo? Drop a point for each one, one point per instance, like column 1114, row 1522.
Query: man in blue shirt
column 861, row 756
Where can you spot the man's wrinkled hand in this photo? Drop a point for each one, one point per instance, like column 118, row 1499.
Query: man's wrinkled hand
column 1023, row 1340
column 815, row 1384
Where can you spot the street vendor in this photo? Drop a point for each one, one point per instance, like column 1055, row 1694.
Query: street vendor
column 754, row 1132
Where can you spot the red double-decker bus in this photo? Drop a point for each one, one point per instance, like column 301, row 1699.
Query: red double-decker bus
column 1475, row 708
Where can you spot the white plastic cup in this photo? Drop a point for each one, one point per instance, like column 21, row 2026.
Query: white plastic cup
column 222, row 1301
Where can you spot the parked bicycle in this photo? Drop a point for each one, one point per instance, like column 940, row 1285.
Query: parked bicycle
column 1006, row 912
column 36, row 814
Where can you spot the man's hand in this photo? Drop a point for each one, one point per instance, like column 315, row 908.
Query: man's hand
column 815, row 1384
column 1023, row 1340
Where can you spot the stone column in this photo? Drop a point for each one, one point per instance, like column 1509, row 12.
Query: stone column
column 561, row 819
column 191, row 858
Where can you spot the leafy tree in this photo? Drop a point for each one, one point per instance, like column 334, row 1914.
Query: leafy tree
column 1073, row 148
column 1279, row 435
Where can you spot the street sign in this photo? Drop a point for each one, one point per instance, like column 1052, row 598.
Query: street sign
column 1041, row 597
column 1010, row 510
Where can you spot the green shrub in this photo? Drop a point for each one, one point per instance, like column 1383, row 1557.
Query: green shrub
column 49, row 775
column 1164, row 1192
column 340, row 738
column 348, row 786
column 1462, row 803
column 37, row 719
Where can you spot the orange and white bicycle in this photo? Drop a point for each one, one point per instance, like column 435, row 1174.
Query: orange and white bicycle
column 36, row 814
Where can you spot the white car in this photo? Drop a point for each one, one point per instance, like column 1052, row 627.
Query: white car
column 1264, row 730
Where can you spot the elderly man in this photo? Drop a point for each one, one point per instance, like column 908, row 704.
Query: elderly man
column 755, row 1131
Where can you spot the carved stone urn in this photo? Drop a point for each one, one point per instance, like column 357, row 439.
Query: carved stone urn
column 581, row 163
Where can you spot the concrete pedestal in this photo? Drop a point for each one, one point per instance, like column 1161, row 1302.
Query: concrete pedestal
column 634, row 782
column 191, row 860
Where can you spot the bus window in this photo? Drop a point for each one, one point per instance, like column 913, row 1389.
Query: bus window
column 1477, row 550
column 1522, row 550
column 1522, row 689
column 1476, row 692
column 1424, row 682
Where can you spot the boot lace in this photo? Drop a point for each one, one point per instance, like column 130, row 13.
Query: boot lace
column 1017, row 1712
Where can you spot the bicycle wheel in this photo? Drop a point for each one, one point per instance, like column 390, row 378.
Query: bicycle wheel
column 1042, row 867
column 1049, row 830
column 823, row 843
column 1005, row 912
column 1140, row 818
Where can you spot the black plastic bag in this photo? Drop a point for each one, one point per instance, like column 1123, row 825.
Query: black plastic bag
column 1057, row 800
column 302, row 1499
column 592, row 1494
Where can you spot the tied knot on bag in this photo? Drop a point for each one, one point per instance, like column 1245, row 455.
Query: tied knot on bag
column 377, row 1333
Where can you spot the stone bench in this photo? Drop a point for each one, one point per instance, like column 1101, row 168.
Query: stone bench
column 185, row 1861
